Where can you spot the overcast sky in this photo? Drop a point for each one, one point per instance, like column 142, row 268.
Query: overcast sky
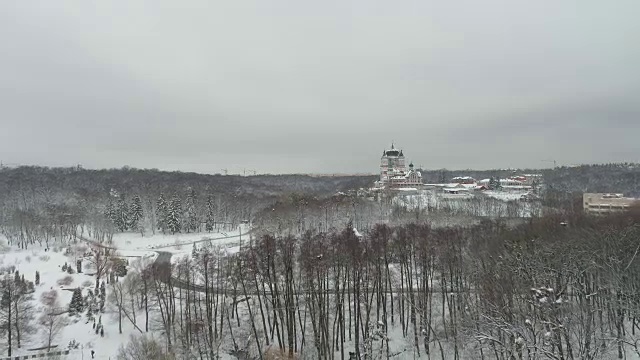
column 297, row 86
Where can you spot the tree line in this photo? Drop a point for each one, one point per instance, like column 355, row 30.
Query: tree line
column 557, row 287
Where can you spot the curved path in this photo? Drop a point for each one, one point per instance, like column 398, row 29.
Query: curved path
column 163, row 264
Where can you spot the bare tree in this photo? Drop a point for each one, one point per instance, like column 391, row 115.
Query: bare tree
column 143, row 348
column 100, row 261
column 52, row 322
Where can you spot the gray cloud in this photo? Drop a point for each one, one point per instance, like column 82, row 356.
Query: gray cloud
column 286, row 86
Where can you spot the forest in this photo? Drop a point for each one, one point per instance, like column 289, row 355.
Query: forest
column 326, row 274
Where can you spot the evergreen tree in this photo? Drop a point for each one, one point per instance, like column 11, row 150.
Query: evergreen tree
column 210, row 215
column 122, row 214
column 162, row 212
column 102, row 291
column 191, row 219
column 135, row 212
column 195, row 253
column 494, row 183
column 77, row 302
column 37, row 278
column 119, row 267
column 174, row 214
column 79, row 265
column 109, row 211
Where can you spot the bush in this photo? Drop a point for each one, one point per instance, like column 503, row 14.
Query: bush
column 87, row 283
column 28, row 259
column 143, row 347
column 67, row 280
column 120, row 267
column 44, row 258
column 48, row 298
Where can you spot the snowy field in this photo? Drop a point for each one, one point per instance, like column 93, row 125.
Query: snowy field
column 53, row 279
column 485, row 204
column 58, row 284
column 175, row 242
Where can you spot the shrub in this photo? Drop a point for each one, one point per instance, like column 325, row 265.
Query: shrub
column 44, row 258
column 143, row 347
column 67, row 280
column 120, row 267
column 48, row 298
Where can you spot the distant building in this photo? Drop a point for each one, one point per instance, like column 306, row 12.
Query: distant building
column 457, row 188
column 528, row 179
column 596, row 203
column 394, row 172
column 463, row 180
column 509, row 182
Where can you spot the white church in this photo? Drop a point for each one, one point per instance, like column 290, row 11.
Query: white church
column 394, row 173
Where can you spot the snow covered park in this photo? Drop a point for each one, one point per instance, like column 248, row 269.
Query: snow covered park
column 46, row 279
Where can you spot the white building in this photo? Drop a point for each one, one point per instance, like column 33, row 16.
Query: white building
column 394, row 172
column 607, row 203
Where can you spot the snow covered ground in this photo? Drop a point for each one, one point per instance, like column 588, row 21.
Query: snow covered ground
column 484, row 203
column 131, row 246
column 53, row 279
column 175, row 242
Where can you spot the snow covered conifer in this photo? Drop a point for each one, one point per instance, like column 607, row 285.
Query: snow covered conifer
column 77, row 302
column 210, row 219
column 135, row 212
column 109, row 211
column 37, row 278
column 174, row 214
column 161, row 213
column 191, row 221
column 194, row 252
column 102, row 290
column 122, row 214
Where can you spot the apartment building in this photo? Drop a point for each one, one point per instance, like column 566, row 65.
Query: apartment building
column 607, row 203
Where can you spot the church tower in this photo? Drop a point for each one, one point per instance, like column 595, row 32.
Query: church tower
column 394, row 172
column 392, row 163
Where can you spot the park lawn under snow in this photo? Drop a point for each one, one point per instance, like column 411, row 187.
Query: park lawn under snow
column 49, row 264
column 131, row 246
column 133, row 241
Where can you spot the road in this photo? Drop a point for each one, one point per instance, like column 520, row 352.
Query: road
column 163, row 264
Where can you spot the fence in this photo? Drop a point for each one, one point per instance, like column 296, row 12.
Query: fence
column 37, row 356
